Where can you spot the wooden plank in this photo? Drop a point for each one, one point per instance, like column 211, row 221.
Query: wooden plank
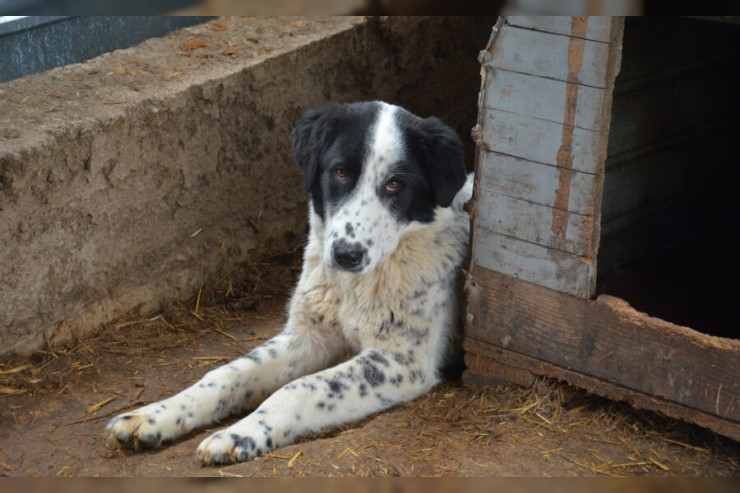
column 534, row 263
column 607, row 340
column 540, row 140
column 483, row 370
column 493, row 365
column 546, row 55
column 571, row 108
column 536, row 183
column 533, row 223
column 598, row 28
column 545, row 99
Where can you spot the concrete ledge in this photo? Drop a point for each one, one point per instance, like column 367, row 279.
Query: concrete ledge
column 145, row 173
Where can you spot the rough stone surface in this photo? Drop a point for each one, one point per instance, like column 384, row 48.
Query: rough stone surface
column 145, row 173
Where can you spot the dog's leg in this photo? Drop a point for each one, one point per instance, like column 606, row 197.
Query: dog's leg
column 234, row 387
column 372, row 381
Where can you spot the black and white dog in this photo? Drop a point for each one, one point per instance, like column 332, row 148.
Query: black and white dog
column 375, row 314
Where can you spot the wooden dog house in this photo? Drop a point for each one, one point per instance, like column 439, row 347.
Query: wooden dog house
column 604, row 212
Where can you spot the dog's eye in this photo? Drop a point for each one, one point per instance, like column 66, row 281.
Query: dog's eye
column 393, row 186
column 340, row 172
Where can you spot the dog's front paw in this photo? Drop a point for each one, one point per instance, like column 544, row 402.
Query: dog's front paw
column 144, row 428
column 228, row 447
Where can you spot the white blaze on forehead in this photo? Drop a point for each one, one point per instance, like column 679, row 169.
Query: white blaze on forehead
column 387, row 146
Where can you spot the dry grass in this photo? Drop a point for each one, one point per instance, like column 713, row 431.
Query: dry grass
column 548, row 429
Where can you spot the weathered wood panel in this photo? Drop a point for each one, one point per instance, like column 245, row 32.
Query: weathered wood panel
column 488, row 364
column 540, row 158
column 598, row 28
column 548, row 267
column 546, row 55
column 540, row 140
column 543, row 224
column 607, row 340
column 545, row 99
column 534, row 182
column 531, row 222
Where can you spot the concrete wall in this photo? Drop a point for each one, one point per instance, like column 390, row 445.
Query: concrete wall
column 145, row 173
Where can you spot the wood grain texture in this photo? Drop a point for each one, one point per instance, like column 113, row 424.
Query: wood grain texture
column 532, row 222
column 607, row 340
column 535, row 182
column 535, row 263
column 493, row 365
column 483, row 370
column 546, row 55
column 538, row 140
column 599, row 28
column 543, row 99
column 537, row 218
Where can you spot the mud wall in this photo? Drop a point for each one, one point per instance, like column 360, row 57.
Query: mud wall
column 145, row 173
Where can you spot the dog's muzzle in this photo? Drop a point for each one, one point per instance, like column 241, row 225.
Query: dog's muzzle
column 348, row 256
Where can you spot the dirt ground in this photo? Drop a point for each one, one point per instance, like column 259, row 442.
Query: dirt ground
column 54, row 407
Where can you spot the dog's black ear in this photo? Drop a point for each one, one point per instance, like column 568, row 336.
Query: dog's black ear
column 310, row 138
column 443, row 159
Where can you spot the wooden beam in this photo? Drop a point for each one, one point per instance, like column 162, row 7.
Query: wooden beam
column 489, row 364
column 533, row 182
column 539, row 141
column 532, row 222
column 599, row 28
column 522, row 259
column 546, row 55
column 607, row 341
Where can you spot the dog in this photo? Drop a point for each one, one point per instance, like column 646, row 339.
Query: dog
column 375, row 315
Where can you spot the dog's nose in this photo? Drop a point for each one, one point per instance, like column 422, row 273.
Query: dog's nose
column 348, row 257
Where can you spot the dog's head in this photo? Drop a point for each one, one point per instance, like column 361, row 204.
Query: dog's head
column 374, row 171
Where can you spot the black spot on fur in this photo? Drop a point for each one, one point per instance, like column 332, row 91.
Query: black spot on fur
column 246, row 443
column 377, row 357
column 373, row 376
column 253, row 357
column 336, row 386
